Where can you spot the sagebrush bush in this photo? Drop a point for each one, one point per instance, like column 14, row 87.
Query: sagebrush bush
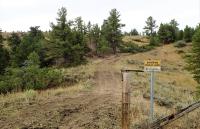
column 134, row 48
column 198, row 93
column 180, row 44
column 176, row 99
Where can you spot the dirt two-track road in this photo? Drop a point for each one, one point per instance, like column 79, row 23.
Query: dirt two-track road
column 97, row 108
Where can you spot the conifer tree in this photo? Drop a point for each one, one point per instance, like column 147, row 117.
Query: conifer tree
column 30, row 42
column 96, row 36
column 166, row 33
column 188, row 33
column 4, row 55
column 66, row 41
column 134, row 32
column 111, row 30
column 150, row 26
column 194, row 58
column 14, row 41
column 175, row 25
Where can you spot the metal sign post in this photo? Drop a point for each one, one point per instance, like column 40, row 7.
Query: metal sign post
column 152, row 96
column 152, row 66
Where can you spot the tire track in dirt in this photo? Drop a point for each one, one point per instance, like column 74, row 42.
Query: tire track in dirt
column 108, row 82
column 103, row 112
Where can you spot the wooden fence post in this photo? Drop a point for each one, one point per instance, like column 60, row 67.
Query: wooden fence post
column 125, row 101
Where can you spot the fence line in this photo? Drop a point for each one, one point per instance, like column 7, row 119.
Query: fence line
column 166, row 120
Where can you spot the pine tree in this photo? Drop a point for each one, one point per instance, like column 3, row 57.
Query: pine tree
column 105, row 30
column 67, row 42
column 180, row 35
column 4, row 55
column 100, row 38
column 166, row 33
column 188, row 33
column 57, row 46
column 194, row 59
column 79, row 43
column 111, row 30
column 80, row 33
column 33, row 59
column 1, row 38
column 14, row 41
column 30, row 42
column 62, row 29
column 134, row 32
column 175, row 25
column 150, row 26
column 89, row 32
column 96, row 36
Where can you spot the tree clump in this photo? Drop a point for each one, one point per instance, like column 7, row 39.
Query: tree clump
column 193, row 59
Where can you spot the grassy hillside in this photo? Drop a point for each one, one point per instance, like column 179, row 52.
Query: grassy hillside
column 139, row 40
column 93, row 100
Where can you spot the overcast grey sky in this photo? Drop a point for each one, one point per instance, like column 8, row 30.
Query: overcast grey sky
column 16, row 15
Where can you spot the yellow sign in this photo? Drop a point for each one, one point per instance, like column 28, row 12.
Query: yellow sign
column 152, row 65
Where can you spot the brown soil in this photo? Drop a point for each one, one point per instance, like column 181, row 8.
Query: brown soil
column 98, row 108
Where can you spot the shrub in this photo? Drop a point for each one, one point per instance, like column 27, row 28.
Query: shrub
column 167, row 102
column 53, row 77
column 129, row 47
column 103, row 47
column 188, row 33
column 31, row 77
column 193, row 63
column 134, row 48
column 154, row 41
column 166, row 33
column 180, row 44
column 198, row 93
column 30, row 95
column 173, row 100
column 180, row 51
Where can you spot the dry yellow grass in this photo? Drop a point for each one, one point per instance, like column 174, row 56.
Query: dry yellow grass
column 172, row 65
column 139, row 40
column 30, row 95
column 177, row 82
